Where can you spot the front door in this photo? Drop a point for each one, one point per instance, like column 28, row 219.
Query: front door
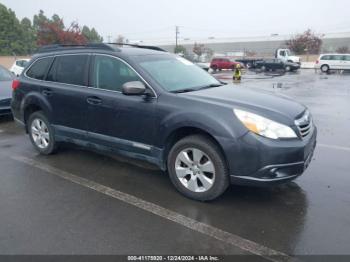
column 116, row 120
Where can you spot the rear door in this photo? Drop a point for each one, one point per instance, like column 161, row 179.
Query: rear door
column 346, row 62
column 65, row 89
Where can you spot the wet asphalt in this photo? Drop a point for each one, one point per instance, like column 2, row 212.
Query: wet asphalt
column 41, row 213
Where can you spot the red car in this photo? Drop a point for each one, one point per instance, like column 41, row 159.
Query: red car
column 223, row 63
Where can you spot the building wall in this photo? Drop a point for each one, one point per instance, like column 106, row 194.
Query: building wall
column 7, row 61
column 262, row 48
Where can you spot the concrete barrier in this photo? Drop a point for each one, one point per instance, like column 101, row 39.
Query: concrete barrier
column 308, row 65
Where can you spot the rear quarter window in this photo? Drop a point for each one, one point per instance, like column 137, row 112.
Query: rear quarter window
column 69, row 69
column 39, row 68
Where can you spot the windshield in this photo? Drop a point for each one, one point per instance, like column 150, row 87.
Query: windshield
column 5, row 75
column 176, row 73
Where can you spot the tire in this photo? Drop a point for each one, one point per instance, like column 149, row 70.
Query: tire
column 41, row 133
column 187, row 178
column 214, row 68
column 263, row 68
column 288, row 68
column 249, row 65
column 325, row 68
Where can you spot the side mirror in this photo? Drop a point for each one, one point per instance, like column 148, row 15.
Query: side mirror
column 134, row 88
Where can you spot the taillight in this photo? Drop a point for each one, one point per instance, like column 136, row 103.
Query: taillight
column 15, row 84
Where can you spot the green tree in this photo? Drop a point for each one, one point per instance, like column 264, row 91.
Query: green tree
column 180, row 49
column 39, row 20
column 91, row 35
column 13, row 34
column 29, row 36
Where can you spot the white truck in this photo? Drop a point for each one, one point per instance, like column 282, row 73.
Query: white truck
column 286, row 56
column 283, row 54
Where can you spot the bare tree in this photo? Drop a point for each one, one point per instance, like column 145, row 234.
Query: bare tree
column 343, row 50
column 308, row 42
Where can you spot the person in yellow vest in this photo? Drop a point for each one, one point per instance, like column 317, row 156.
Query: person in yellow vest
column 237, row 74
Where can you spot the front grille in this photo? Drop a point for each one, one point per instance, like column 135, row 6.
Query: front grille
column 304, row 124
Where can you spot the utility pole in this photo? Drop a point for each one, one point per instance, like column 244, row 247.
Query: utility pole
column 176, row 36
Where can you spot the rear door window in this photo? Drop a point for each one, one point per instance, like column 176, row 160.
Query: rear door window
column 111, row 73
column 39, row 68
column 69, row 69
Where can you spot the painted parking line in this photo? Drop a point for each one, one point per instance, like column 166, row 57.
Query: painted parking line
column 342, row 148
column 216, row 233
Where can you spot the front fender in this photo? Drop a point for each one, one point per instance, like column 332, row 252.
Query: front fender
column 216, row 127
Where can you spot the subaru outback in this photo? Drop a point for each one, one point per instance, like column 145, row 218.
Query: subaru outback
column 144, row 103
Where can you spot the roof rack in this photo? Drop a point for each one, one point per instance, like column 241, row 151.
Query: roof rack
column 101, row 46
column 60, row 47
column 156, row 48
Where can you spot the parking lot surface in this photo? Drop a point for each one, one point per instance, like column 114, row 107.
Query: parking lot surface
column 81, row 202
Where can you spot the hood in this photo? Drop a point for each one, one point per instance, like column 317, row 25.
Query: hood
column 295, row 59
column 5, row 89
column 275, row 107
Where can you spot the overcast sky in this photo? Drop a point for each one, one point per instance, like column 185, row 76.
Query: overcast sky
column 152, row 19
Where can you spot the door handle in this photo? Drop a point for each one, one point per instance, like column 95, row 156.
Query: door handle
column 94, row 100
column 47, row 92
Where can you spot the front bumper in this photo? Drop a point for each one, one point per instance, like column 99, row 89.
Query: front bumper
column 261, row 162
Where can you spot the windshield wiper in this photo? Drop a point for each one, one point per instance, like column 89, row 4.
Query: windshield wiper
column 186, row 90
column 209, row 86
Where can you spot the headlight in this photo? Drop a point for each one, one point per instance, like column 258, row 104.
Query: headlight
column 263, row 126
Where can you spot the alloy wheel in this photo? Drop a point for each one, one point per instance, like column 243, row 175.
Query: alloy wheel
column 195, row 170
column 40, row 133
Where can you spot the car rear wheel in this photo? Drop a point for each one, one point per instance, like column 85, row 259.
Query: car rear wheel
column 325, row 68
column 41, row 133
column 197, row 168
column 288, row 68
column 263, row 68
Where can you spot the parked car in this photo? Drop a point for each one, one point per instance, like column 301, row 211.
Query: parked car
column 5, row 91
column 161, row 108
column 276, row 64
column 328, row 62
column 18, row 66
column 223, row 63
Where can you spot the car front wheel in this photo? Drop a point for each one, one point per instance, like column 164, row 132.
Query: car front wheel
column 325, row 68
column 41, row 133
column 197, row 168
